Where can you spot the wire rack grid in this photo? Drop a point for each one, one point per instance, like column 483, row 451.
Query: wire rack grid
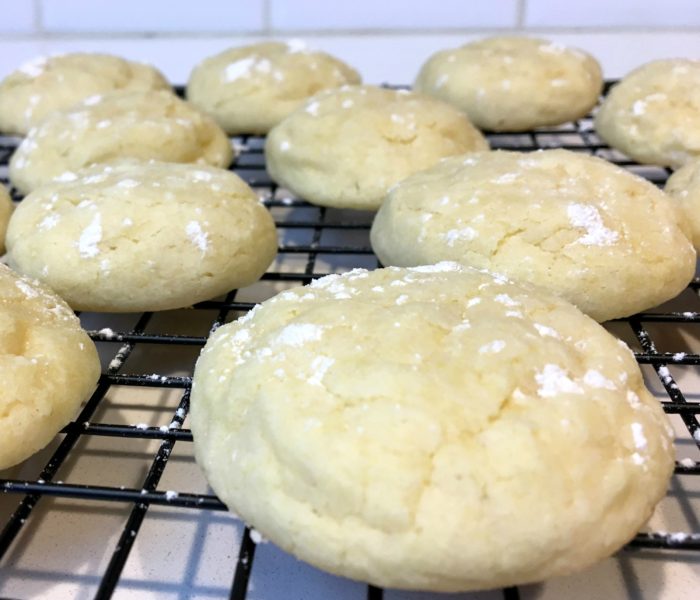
column 78, row 494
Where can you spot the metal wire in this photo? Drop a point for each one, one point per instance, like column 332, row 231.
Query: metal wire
column 577, row 136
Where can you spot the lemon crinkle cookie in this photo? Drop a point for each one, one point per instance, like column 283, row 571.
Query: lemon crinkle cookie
column 6, row 208
column 514, row 83
column 252, row 88
column 346, row 147
column 48, row 366
column 142, row 125
column 136, row 236
column 684, row 187
column 580, row 227
column 430, row 428
column 47, row 84
column 653, row 114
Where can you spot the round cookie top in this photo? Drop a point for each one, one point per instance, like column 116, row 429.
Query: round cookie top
column 684, row 187
column 377, row 423
column 136, row 236
column 48, row 84
column 514, row 83
column 6, row 208
column 143, row 125
column 578, row 226
column 252, row 88
column 653, row 114
column 48, row 366
column 346, row 147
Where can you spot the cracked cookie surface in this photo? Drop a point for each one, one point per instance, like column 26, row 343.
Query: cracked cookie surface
column 578, row 226
column 48, row 366
column 430, row 428
column 346, row 147
column 131, row 236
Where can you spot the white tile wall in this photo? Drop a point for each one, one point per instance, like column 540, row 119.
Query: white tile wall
column 386, row 40
column 16, row 16
column 612, row 13
column 390, row 14
column 151, row 15
column 41, row 17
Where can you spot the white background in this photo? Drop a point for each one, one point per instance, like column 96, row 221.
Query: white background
column 386, row 40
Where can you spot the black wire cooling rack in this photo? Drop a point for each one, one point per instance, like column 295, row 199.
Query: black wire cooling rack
column 313, row 242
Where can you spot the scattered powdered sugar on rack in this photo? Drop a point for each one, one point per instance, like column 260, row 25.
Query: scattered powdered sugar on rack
column 588, row 217
column 257, row 537
column 170, row 495
column 688, row 463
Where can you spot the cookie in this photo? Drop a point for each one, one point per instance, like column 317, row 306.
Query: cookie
column 6, row 208
column 684, row 187
column 653, row 114
column 430, row 428
column 345, row 148
column 143, row 125
column 252, row 88
column 578, row 226
column 48, row 366
column 48, row 84
column 514, row 83
column 132, row 237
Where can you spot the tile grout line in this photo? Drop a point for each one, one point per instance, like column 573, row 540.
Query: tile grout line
column 520, row 9
column 38, row 21
column 358, row 33
column 267, row 25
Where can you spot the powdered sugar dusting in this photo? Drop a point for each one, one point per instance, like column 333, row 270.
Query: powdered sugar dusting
column 588, row 217
column 26, row 289
column 546, row 331
column 466, row 234
column 90, row 237
column 238, row 69
column 34, row 67
column 198, row 237
column 319, row 366
column 297, row 334
column 640, row 440
column 596, row 379
column 492, row 347
column 441, row 267
column 49, row 222
column 554, row 380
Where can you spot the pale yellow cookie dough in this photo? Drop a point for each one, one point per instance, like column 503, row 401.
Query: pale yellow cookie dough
column 143, row 236
column 48, row 84
column 578, row 226
column 684, row 187
column 144, row 125
column 653, row 114
column 430, row 428
column 6, row 208
column 345, row 148
column 48, row 366
column 252, row 88
column 514, row 83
